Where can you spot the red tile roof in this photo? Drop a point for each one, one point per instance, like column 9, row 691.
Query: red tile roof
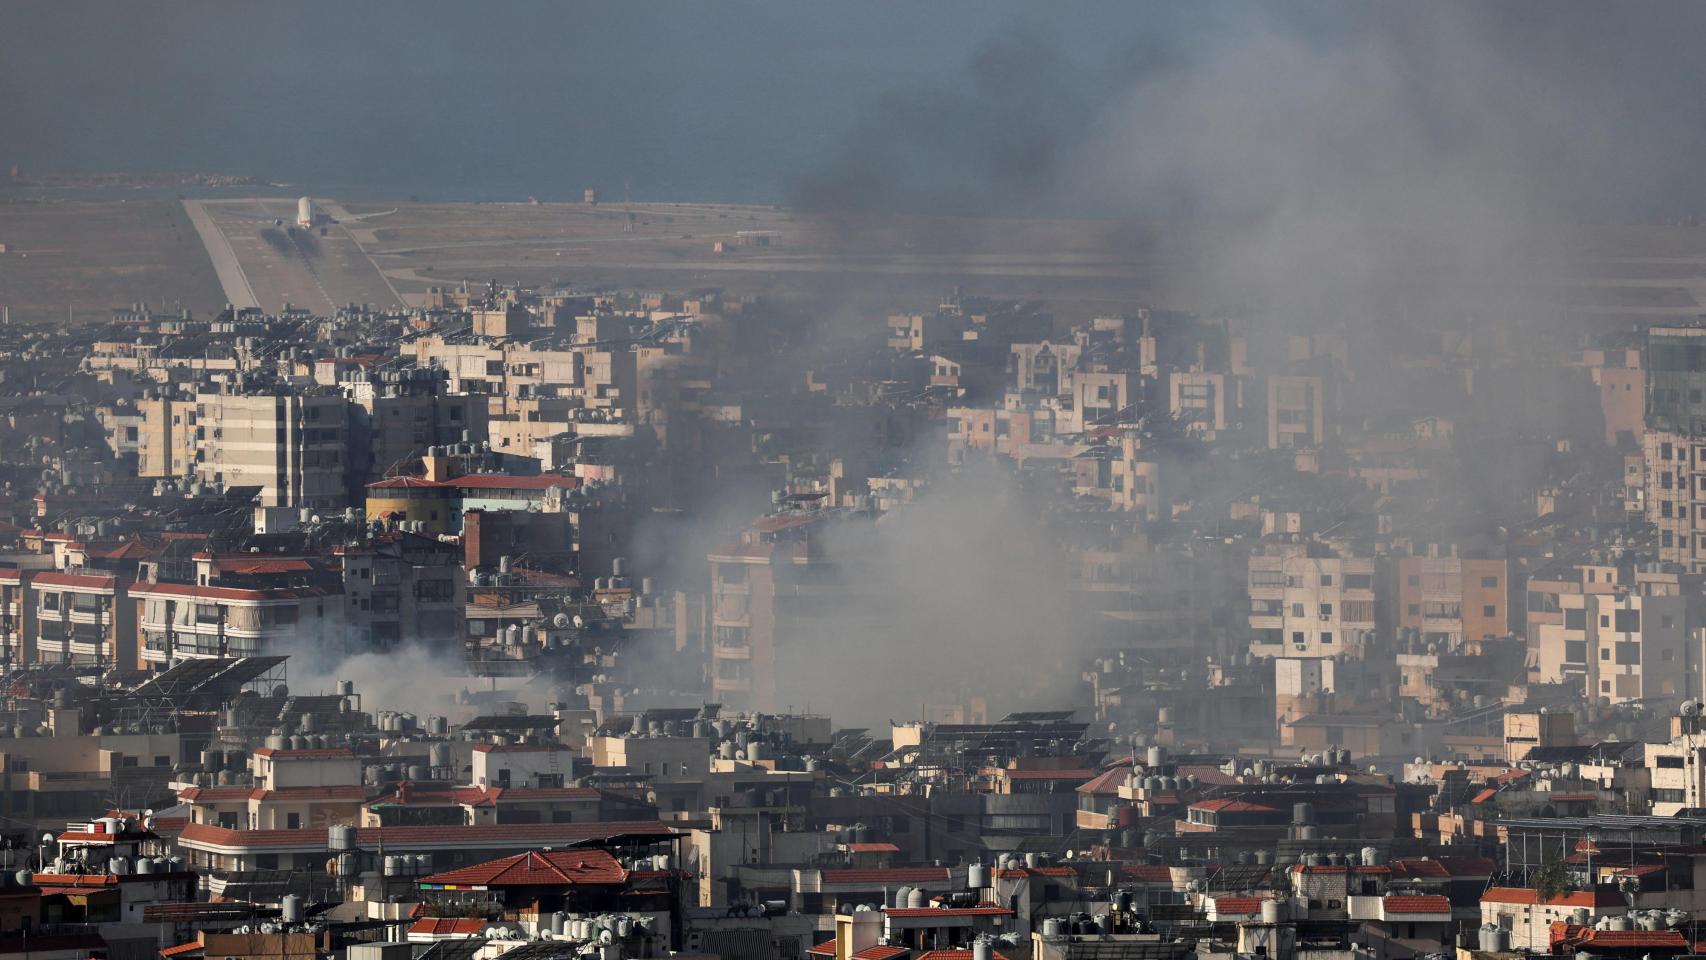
column 1398, row 903
column 881, row 875
column 1484, row 795
column 348, row 792
column 1569, row 936
column 448, row 926
column 881, row 952
column 228, row 593
column 1230, row 805
column 181, row 949
column 264, row 565
column 326, row 753
column 1015, row 873
column 954, row 955
column 1228, row 906
column 49, row 578
column 1108, row 783
column 1575, row 898
column 1048, row 774
column 872, row 848
column 538, row 868
column 826, row 948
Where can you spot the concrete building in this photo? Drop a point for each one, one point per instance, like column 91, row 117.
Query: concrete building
column 1453, row 601
column 1297, row 414
column 295, row 447
column 1307, row 602
column 166, row 440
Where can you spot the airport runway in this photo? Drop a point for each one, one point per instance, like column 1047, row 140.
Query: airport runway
column 263, row 258
column 225, row 265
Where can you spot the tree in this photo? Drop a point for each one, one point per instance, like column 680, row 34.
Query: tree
column 1551, row 881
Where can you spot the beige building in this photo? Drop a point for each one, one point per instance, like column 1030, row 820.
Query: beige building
column 166, row 437
column 1676, row 496
column 1453, row 601
column 1526, row 731
column 1296, row 412
column 1201, row 400
column 295, row 447
column 1307, row 602
column 1620, row 645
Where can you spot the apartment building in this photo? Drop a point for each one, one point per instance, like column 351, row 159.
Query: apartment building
column 193, row 621
column 401, row 587
column 1620, row 645
column 166, row 438
column 1453, row 601
column 295, row 447
column 1200, row 399
column 83, row 618
column 398, row 415
column 1306, row 601
column 767, row 591
column 1297, row 414
column 17, row 619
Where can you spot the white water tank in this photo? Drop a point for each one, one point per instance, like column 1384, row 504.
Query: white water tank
column 1272, row 911
column 305, row 212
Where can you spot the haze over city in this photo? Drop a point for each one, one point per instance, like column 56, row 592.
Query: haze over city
column 852, row 481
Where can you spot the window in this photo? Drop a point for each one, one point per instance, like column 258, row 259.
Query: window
column 1413, row 609
column 1415, row 580
column 1489, row 611
column 1628, row 654
column 1628, row 621
column 1359, row 581
column 1605, row 653
column 1575, row 619
column 293, row 821
column 1297, row 609
column 1326, row 636
column 1326, row 609
column 1297, row 638
column 1674, row 763
column 1490, row 582
column 1575, row 651
column 1326, row 579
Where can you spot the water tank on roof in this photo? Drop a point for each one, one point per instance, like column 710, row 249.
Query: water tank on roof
column 1309, row 831
column 290, row 909
column 340, row 837
column 1051, row 927
column 916, row 898
column 1302, row 813
column 981, row 950
column 144, row 865
column 1273, row 911
column 1370, row 857
column 977, row 876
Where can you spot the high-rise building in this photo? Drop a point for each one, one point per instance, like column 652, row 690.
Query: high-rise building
column 294, row 447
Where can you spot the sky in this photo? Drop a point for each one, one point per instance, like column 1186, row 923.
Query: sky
column 737, row 101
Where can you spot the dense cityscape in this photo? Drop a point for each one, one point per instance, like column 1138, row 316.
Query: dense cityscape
column 865, row 577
